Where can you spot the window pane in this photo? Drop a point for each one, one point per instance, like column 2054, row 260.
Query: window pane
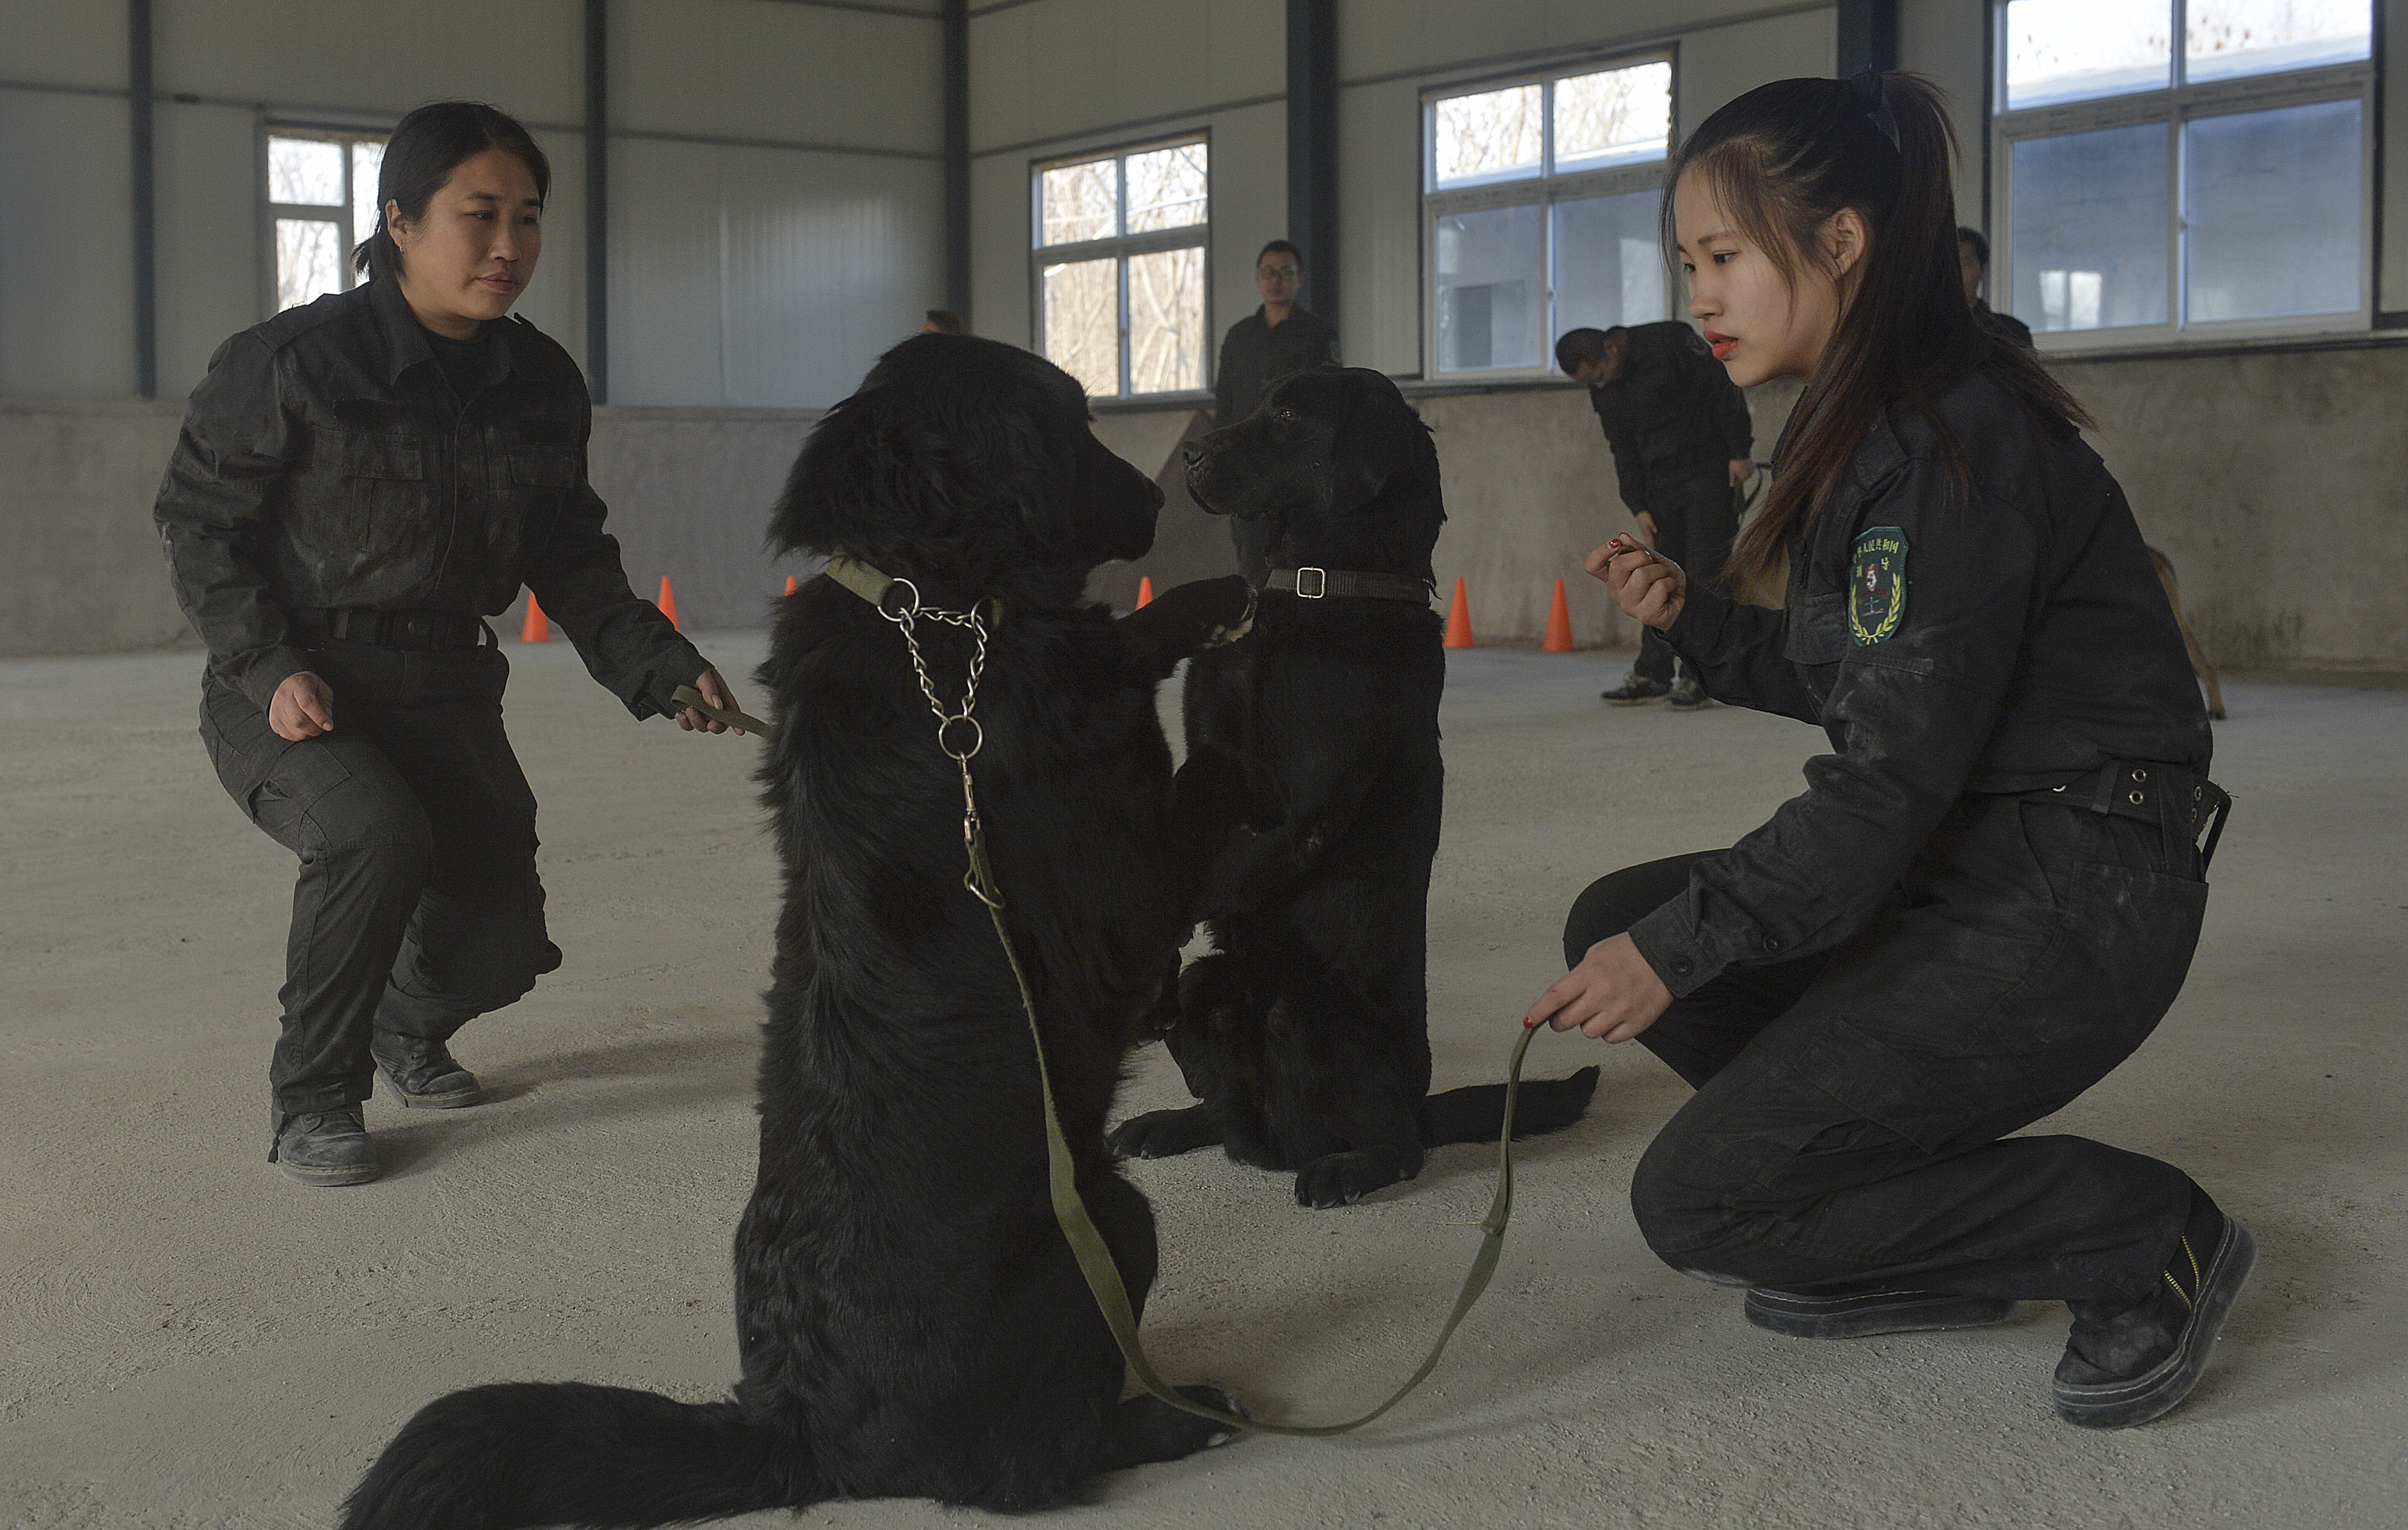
column 1490, row 289
column 1165, row 299
column 1082, row 324
column 1489, row 136
column 2068, row 49
column 309, row 260
column 305, row 171
column 367, row 159
column 1621, row 114
column 2227, row 38
column 1608, row 264
column 1079, row 202
column 2272, row 207
column 1165, row 188
column 2087, row 228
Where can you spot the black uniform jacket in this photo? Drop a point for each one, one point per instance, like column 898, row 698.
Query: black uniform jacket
column 325, row 460
column 1256, row 353
column 2002, row 635
column 1673, row 416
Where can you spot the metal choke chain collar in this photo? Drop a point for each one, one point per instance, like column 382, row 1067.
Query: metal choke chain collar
column 958, row 733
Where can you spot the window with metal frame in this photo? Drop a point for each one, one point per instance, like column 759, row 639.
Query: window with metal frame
column 321, row 202
column 1119, row 269
column 1541, row 198
column 2183, row 170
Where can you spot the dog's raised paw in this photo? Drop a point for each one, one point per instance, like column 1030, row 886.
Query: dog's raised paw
column 1146, row 1428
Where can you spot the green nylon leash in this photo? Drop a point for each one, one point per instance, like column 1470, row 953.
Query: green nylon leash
column 898, row 601
column 686, row 695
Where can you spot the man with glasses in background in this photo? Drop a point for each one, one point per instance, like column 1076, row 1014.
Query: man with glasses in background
column 1274, row 341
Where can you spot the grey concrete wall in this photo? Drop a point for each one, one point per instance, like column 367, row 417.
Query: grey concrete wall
column 689, row 492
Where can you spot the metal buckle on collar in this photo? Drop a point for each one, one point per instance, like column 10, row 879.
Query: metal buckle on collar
column 1320, row 583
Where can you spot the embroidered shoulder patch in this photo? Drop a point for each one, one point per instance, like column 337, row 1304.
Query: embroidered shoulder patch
column 1877, row 584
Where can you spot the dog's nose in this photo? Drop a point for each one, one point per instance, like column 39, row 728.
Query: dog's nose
column 1192, row 453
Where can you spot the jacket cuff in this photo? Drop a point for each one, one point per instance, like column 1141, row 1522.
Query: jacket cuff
column 259, row 677
column 1699, row 628
column 1673, row 947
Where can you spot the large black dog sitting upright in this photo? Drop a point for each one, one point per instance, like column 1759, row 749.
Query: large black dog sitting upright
column 1306, row 1034
column 910, row 1318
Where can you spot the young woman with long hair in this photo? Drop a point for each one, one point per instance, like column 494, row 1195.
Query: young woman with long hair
column 360, row 483
column 1990, row 891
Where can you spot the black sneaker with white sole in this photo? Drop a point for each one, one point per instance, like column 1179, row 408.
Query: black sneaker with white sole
column 326, row 1148
column 1635, row 692
column 1859, row 1314
column 1688, row 695
column 423, row 1073
column 2124, row 1367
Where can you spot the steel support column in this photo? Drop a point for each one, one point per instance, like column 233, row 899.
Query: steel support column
column 146, row 218
column 957, row 24
column 1312, row 148
column 1867, row 36
column 598, row 200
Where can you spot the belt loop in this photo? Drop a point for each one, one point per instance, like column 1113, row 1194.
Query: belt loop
column 2103, row 793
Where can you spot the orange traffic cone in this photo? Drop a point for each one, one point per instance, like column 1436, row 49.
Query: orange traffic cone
column 1559, row 623
column 790, row 584
column 667, row 603
column 1458, row 618
column 1144, row 590
column 537, row 630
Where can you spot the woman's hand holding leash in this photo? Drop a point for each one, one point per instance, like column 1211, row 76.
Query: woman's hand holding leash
column 1613, row 995
column 714, row 691
column 1648, row 586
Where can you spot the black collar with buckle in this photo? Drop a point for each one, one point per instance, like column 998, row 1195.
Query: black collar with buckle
column 1320, row 583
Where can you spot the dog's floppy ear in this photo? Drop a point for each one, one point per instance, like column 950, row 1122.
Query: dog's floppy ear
column 1378, row 435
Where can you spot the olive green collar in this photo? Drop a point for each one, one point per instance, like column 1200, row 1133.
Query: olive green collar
column 896, row 599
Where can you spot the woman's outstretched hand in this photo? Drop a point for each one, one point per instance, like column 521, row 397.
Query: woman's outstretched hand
column 1613, row 995
column 1648, row 586
column 714, row 691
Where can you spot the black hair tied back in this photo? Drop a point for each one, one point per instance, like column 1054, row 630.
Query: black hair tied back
column 428, row 145
column 1874, row 101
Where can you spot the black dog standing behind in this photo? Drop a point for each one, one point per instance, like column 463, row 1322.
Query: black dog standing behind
column 1306, row 1034
column 912, row 1320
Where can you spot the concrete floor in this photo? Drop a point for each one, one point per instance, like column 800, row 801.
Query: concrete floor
column 191, row 1341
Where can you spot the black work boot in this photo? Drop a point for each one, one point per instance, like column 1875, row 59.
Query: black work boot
column 1859, row 1314
column 422, row 1073
column 1688, row 695
column 1634, row 690
column 2125, row 1366
column 326, row 1148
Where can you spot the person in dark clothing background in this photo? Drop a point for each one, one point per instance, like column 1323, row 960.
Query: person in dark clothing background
column 358, row 484
column 1973, row 268
column 1681, row 439
column 1276, row 340
column 1990, row 891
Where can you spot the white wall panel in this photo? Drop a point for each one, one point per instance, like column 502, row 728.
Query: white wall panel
column 1249, row 206
column 208, row 176
column 1380, row 225
column 66, row 247
column 1942, row 39
column 2391, row 291
column 764, row 277
column 63, row 43
column 999, row 239
column 526, row 57
column 1058, row 67
column 769, row 69
column 1720, row 64
column 1384, row 37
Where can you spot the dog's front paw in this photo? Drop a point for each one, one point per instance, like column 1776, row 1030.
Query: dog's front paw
column 1342, row 1179
column 1164, row 1134
column 1146, row 1428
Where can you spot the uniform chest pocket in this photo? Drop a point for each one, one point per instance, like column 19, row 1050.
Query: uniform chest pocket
column 1818, row 630
column 383, row 491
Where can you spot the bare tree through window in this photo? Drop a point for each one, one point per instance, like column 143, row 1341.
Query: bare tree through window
column 1121, row 269
column 321, row 202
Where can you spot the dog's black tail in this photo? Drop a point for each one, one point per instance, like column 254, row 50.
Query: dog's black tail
column 525, row 1454
column 1477, row 1111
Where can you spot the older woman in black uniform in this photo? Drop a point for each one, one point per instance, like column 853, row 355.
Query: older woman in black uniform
column 358, row 484
column 1991, row 890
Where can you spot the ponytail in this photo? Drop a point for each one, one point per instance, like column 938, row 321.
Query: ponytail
column 1780, row 161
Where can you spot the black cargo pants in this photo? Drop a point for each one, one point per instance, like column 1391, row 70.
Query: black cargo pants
column 418, row 906
column 1696, row 519
column 1851, row 1107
